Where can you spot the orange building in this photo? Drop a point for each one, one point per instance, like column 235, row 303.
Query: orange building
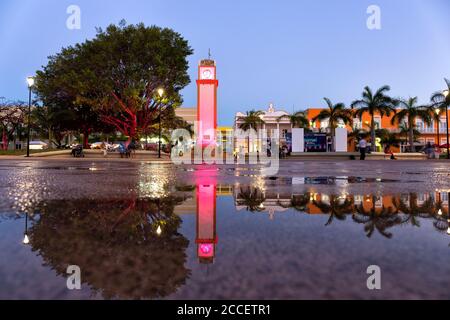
column 428, row 133
column 378, row 204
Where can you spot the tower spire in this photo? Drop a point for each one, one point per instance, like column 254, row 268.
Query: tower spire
column 209, row 53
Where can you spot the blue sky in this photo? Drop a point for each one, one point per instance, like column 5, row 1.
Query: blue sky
column 291, row 53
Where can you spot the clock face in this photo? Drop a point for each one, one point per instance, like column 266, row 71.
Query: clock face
column 207, row 74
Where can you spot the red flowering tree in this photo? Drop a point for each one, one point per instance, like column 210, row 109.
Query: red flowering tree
column 117, row 75
column 12, row 115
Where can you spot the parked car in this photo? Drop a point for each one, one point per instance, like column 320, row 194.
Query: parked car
column 96, row 145
column 99, row 145
column 38, row 145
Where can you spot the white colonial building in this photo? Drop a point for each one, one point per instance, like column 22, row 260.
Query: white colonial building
column 277, row 125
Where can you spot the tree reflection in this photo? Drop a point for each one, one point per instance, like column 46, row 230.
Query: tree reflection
column 378, row 213
column 376, row 219
column 298, row 202
column 116, row 245
column 251, row 198
column 337, row 207
column 413, row 212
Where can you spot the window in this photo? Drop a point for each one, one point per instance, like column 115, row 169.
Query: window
column 324, row 124
column 419, row 125
column 378, row 123
column 341, row 123
column 443, row 126
column 358, row 199
column 378, row 202
column 357, row 124
column 428, row 128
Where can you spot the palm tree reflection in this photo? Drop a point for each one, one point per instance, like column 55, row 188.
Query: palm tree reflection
column 378, row 213
column 337, row 207
column 252, row 198
column 379, row 219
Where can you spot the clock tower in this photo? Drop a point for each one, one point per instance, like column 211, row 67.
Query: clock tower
column 207, row 84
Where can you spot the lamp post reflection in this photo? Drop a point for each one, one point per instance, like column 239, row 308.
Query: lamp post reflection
column 26, row 239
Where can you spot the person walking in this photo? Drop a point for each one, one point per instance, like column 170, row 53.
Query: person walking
column 429, row 150
column 362, row 148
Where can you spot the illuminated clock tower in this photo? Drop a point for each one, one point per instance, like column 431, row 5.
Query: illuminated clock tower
column 207, row 84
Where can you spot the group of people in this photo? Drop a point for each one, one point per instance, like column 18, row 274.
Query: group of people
column 284, row 152
column 124, row 151
column 432, row 151
column 127, row 151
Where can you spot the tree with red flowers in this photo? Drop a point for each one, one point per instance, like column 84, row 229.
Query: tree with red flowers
column 117, row 75
column 12, row 115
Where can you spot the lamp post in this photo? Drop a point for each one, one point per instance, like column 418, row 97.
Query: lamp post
column 446, row 116
column 160, row 93
column 30, row 82
column 438, row 119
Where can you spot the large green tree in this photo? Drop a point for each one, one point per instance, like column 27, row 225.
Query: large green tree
column 117, row 74
column 374, row 103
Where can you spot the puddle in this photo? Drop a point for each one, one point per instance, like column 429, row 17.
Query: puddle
column 331, row 180
column 144, row 248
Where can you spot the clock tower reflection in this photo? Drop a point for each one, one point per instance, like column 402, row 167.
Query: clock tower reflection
column 206, row 239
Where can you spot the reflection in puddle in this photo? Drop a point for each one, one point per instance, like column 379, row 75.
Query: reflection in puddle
column 329, row 180
column 136, row 248
column 128, row 249
column 375, row 212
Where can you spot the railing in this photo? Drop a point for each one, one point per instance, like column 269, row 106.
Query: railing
column 426, row 130
column 442, row 129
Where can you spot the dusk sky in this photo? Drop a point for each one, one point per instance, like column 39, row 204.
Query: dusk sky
column 290, row 53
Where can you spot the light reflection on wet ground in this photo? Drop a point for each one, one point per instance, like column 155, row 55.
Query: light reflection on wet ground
column 226, row 232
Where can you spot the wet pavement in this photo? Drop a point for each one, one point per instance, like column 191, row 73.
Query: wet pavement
column 140, row 230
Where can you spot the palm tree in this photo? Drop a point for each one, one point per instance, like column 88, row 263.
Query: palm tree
column 251, row 121
column 404, row 132
column 441, row 102
column 408, row 114
column 388, row 138
column 355, row 134
column 374, row 103
column 298, row 119
column 334, row 114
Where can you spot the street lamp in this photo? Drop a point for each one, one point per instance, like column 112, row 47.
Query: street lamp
column 438, row 111
column 446, row 116
column 30, row 82
column 160, row 93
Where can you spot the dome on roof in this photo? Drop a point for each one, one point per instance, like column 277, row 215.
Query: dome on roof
column 271, row 112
